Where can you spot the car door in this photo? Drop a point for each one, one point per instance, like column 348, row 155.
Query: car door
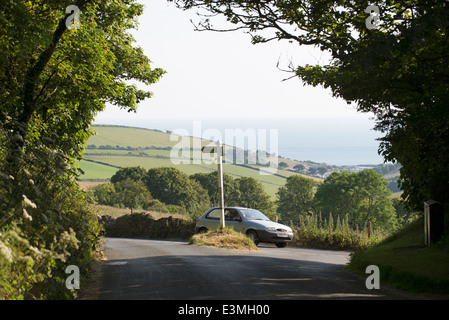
column 212, row 219
column 233, row 220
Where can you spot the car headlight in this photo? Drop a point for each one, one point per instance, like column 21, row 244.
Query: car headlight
column 272, row 229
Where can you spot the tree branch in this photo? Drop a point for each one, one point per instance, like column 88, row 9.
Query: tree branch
column 34, row 72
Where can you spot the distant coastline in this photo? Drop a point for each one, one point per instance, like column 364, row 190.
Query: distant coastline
column 340, row 142
column 339, row 156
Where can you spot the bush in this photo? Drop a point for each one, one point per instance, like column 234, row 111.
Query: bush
column 172, row 186
column 124, row 193
column 173, row 191
column 144, row 226
column 314, row 232
column 46, row 223
column 157, row 206
column 34, row 257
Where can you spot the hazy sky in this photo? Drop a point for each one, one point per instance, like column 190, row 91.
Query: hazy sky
column 216, row 76
column 212, row 74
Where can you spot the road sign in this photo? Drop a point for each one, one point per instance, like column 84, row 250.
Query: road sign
column 218, row 149
column 212, row 149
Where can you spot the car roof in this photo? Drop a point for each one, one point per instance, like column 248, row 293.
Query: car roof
column 227, row 207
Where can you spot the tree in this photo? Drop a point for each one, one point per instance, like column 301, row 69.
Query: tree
column 104, row 194
column 127, row 193
column 283, row 165
column 403, row 215
column 133, row 173
column 296, row 197
column 398, row 70
column 253, row 195
column 299, row 168
column 321, row 170
column 362, row 196
column 241, row 192
column 172, row 186
column 209, row 182
column 62, row 78
column 131, row 194
column 54, row 82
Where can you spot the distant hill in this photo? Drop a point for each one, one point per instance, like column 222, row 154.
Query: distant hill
column 115, row 147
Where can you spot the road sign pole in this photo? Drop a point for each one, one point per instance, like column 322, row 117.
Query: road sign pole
column 220, row 182
column 219, row 150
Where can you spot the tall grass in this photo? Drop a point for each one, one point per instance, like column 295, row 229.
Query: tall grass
column 315, row 232
column 226, row 238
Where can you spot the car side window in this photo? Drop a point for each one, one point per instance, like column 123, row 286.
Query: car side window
column 214, row 214
column 232, row 215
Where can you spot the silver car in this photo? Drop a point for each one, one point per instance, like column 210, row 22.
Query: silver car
column 251, row 222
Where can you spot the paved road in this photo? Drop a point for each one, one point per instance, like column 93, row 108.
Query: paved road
column 156, row 269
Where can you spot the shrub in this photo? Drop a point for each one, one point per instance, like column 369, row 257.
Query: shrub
column 46, row 222
column 123, row 193
column 144, row 226
column 315, row 232
column 156, row 205
column 34, row 256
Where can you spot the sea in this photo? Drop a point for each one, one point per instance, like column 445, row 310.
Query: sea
column 334, row 141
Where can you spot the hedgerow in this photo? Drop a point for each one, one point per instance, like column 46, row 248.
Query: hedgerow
column 144, row 226
column 46, row 223
column 315, row 232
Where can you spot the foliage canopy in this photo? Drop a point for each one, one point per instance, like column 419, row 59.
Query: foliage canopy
column 362, row 196
column 54, row 82
column 296, row 197
column 398, row 71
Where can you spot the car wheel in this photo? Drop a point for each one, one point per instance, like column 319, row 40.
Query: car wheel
column 202, row 230
column 253, row 236
column 281, row 244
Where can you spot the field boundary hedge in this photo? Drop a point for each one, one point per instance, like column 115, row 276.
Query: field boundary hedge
column 143, row 226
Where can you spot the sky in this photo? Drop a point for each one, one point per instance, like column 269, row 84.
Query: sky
column 220, row 77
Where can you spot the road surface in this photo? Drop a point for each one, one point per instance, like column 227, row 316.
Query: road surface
column 167, row 270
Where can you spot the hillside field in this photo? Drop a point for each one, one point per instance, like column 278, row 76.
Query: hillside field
column 115, row 147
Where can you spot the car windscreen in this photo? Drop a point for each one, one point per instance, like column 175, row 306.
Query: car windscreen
column 252, row 214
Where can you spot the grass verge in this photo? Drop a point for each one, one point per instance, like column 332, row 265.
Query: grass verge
column 226, row 238
column 404, row 262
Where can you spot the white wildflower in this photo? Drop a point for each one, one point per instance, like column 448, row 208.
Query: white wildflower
column 26, row 215
column 5, row 252
column 28, row 202
column 35, row 251
column 6, row 177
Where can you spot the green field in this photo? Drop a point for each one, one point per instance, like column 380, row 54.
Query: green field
column 95, row 171
column 115, row 147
